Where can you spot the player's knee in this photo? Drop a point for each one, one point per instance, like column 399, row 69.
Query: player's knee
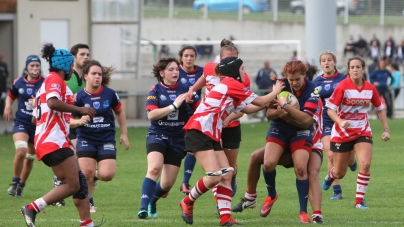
column 20, row 144
column 154, row 172
column 300, row 170
column 338, row 174
column 313, row 174
column 106, row 176
column 80, row 189
column 256, row 158
column 268, row 167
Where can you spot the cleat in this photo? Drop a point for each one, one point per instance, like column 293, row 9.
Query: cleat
column 187, row 212
column 361, row 205
column 152, row 211
column 18, row 192
column 13, row 187
column 304, row 218
column 267, row 205
column 56, row 182
column 92, row 208
column 336, row 196
column 142, row 214
column 317, row 218
column 164, row 196
column 354, row 166
column 327, row 183
column 230, row 222
column 184, row 188
column 59, row 204
column 244, row 204
column 29, row 216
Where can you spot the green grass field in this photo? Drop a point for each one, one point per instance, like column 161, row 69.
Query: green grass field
column 118, row 201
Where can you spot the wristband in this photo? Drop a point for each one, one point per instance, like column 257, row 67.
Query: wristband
column 284, row 105
column 387, row 130
column 171, row 107
column 175, row 105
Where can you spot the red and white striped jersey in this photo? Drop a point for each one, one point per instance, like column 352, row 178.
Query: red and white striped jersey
column 212, row 80
column 318, row 127
column 228, row 96
column 52, row 127
column 352, row 104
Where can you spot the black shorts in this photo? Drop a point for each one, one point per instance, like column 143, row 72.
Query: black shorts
column 349, row 146
column 196, row 140
column 73, row 133
column 320, row 153
column 57, row 157
column 170, row 156
column 231, row 137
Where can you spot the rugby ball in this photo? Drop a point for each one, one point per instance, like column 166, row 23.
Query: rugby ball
column 291, row 98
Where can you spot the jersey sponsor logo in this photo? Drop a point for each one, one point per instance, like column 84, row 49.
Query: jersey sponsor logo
column 173, row 97
column 98, row 119
column 29, row 91
column 151, row 97
column 303, row 133
column 109, row 146
column 105, row 104
column 183, row 80
column 86, row 105
column 30, row 85
column 171, row 91
column 21, row 90
column 163, row 97
column 95, row 98
column 98, row 125
column 327, row 87
column 171, row 124
column 192, row 80
column 356, row 102
column 96, row 105
column 55, row 87
column 28, row 106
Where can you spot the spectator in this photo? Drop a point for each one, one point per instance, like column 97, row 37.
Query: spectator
column 374, row 38
column 374, row 50
column 294, row 56
column 208, row 49
column 164, row 50
column 390, row 38
column 372, row 67
column 3, row 81
column 395, row 71
column 379, row 79
column 200, row 49
column 350, row 46
column 361, row 46
column 388, row 52
column 398, row 54
column 266, row 77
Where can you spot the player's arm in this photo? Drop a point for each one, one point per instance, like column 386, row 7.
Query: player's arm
column 159, row 113
column 8, row 111
column 200, row 83
column 304, row 119
column 249, row 109
column 121, row 118
column 75, row 123
column 55, row 104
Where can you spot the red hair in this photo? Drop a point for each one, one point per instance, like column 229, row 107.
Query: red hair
column 293, row 67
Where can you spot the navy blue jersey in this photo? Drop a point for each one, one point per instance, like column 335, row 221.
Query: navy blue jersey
column 102, row 126
column 327, row 86
column 308, row 101
column 161, row 96
column 24, row 90
column 190, row 78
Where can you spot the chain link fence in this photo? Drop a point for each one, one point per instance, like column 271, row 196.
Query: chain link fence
column 348, row 11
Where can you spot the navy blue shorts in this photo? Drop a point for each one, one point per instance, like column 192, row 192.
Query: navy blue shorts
column 175, row 144
column 297, row 140
column 327, row 126
column 27, row 128
column 96, row 150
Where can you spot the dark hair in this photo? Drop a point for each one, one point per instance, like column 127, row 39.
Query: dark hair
column 292, row 67
column 46, row 53
column 357, row 58
column 106, row 71
column 311, row 71
column 181, row 52
column 162, row 65
column 75, row 49
column 395, row 66
column 227, row 45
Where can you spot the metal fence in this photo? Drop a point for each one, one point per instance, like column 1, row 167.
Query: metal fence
column 348, row 11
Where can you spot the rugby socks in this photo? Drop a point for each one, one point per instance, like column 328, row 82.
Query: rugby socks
column 224, row 201
column 361, row 186
column 38, row 205
column 16, row 179
column 189, row 164
column 337, row 189
column 214, row 191
column 196, row 191
column 303, row 192
column 269, row 178
column 250, row 195
column 148, row 188
column 157, row 193
column 91, row 201
column 87, row 223
column 330, row 176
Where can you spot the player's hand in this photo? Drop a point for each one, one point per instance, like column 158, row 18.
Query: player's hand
column 278, row 87
column 225, row 122
column 281, row 112
column 124, row 138
column 8, row 113
column 281, row 100
column 386, row 136
column 179, row 100
column 273, row 104
column 87, row 111
column 344, row 124
column 84, row 119
column 189, row 95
